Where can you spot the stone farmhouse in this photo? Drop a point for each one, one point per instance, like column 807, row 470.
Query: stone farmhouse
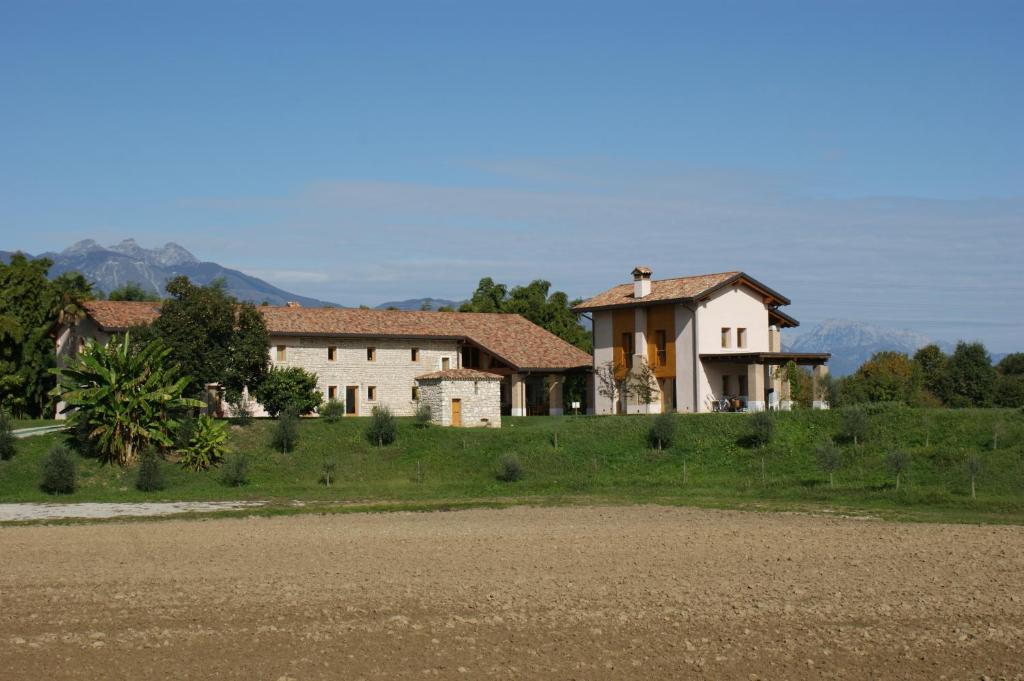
column 713, row 343
column 471, row 367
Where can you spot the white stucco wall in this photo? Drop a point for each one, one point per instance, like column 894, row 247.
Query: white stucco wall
column 481, row 401
column 604, row 352
column 734, row 307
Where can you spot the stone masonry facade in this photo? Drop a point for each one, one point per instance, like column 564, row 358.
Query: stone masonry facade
column 481, row 401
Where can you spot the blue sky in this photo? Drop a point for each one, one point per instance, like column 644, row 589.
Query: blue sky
column 864, row 158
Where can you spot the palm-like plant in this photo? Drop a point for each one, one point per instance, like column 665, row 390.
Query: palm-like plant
column 207, row 446
column 124, row 400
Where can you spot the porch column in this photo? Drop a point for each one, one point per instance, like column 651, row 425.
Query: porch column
column 818, row 378
column 518, row 395
column 785, row 394
column 591, row 394
column 555, row 392
column 755, row 387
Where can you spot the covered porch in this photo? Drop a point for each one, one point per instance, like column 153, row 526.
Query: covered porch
column 751, row 381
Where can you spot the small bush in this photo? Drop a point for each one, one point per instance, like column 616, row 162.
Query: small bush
column 327, row 471
column 762, row 428
column 184, row 432
column 663, row 432
column 241, row 410
column 207, row 446
column 289, row 387
column 830, row 459
column 6, row 437
column 150, row 477
column 58, row 471
column 286, row 431
column 423, row 415
column 233, row 473
column 332, row 411
column 382, row 430
column 509, row 469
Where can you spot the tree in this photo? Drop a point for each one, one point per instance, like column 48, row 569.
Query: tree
column 644, row 384
column 662, row 432
column 898, row 463
column 972, row 376
column 551, row 311
column 1009, row 385
column 6, row 437
column 613, row 382
column 213, row 337
column 124, row 400
column 132, row 291
column 889, row 377
column 382, row 429
column 856, row 425
column 1012, row 364
column 829, row 459
column 933, row 366
column 289, row 387
column 762, row 429
column 975, row 466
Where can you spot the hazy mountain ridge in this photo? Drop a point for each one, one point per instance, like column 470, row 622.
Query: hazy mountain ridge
column 852, row 343
column 114, row 266
column 417, row 303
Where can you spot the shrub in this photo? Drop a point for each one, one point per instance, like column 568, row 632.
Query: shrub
column 58, row 471
column 184, row 432
column 662, row 432
column 6, row 437
column 423, row 415
column 327, row 470
column 382, row 430
column 292, row 386
column 332, row 411
column 855, row 424
column 830, row 459
column 286, row 431
column 233, row 473
column 762, row 428
column 509, row 469
column 898, row 463
column 150, row 477
column 241, row 410
column 207, row 446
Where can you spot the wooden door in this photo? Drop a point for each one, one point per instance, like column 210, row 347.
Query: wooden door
column 352, row 400
column 456, row 413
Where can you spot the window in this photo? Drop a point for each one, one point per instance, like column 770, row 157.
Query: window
column 415, row 393
column 445, row 363
column 332, row 392
column 371, row 393
column 371, row 354
column 726, row 337
column 415, row 354
column 281, row 353
column 627, row 348
column 332, row 354
column 661, row 349
column 741, row 338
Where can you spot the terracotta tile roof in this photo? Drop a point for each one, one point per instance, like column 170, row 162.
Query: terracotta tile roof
column 512, row 338
column 676, row 289
column 459, row 375
column 118, row 315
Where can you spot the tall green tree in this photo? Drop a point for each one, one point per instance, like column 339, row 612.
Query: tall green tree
column 213, row 337
column 536, row 302
column 933, row 365
column 1009, row 386
column 971, row 375
column 887, row 377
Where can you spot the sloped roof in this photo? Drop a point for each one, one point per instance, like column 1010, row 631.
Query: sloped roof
column 459, row 375
column 673, row 290
column 119, row 315
column 512, row 338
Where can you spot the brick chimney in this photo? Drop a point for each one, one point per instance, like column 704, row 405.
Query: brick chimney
column 641, row 281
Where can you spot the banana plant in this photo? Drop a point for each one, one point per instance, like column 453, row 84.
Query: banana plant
column 123, row 397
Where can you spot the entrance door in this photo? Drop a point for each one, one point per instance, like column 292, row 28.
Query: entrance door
column 351, row 400
column 456, row 413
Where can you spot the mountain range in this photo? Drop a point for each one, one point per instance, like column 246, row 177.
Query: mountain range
column 114, row 266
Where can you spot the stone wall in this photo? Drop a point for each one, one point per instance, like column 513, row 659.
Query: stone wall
column 481, row 401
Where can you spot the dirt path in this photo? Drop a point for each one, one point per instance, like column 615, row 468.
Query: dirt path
column 21, row 512
column 556, row 593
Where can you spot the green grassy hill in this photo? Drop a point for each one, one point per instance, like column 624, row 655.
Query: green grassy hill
column 602, row 459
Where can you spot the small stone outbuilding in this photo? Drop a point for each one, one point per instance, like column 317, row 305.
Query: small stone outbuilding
column 464, row 398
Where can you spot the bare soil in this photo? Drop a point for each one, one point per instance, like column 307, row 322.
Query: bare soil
column 553, row 593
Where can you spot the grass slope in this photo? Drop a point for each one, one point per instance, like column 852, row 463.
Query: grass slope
column 601, row 459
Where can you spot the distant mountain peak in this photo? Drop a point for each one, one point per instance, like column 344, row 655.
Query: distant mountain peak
column 852, row 343
column 82, row 247
column 170, row 255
